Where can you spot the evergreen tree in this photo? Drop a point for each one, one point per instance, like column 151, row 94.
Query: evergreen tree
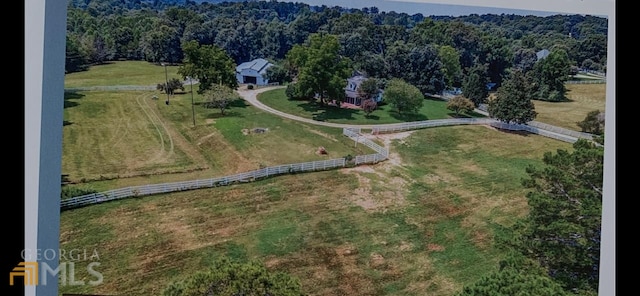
column 226, row 277
column 563, row 226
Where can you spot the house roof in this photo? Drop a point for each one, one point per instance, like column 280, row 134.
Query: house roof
column 542, row 54
column 259, row 65
column 356, row 80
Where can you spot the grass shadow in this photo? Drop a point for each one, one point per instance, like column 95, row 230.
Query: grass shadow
column 227, row 113
column 325, row 112
column 66, row 122
column 372, row 117
column 471, row 114
column 240, row 103
column 70, row 98
column 406, row 117
column 565, row 100
column 514, row 132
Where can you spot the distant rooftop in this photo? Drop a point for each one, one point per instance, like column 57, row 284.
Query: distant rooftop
column 542, row 54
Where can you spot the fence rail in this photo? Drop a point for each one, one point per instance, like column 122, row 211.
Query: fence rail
column 547, row 127
column 592, row 81
column 143, row 190
column 429, row 123
column 356, row 135
column 353, row 133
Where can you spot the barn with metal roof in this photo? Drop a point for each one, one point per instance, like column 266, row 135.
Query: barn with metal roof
column 253, row 72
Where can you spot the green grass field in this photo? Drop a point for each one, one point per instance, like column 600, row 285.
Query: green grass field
column 121, row 73
column 432, row 108
column 421, row 222
column 118, row 139
column 583, row 98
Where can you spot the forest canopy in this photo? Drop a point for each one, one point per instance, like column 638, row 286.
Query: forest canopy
column 102, row 31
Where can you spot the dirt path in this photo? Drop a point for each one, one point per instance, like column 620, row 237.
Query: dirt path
column 164, row 130
column 159, row 126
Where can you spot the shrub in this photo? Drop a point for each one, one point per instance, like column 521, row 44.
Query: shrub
column 69, row 192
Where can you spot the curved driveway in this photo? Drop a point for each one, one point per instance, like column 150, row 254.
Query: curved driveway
column 251, row 97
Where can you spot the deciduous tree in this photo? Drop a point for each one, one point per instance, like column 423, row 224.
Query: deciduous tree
column 368, row 106
column 322, row 72
column 459, row 104
column 450, row 65
column 208, row 64
column 404, row 97
column 369, row 89
column 550, row 75
column 512, row 103
column 474, row 85
column 220, row 96
column 593, row 123
column 174, row 84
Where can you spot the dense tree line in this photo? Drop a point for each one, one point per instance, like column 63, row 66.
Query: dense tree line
column 432, row 53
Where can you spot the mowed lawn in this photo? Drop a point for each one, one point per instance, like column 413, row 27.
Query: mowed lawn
column 583, row 98
column 421, row 223
column 432, row 108
column 121, row 73
column 117, row 139
column 110, row 135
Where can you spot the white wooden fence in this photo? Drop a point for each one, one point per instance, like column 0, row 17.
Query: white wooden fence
column 590, row 81
column 143, row 190
column 428, row 123
column 355, row 134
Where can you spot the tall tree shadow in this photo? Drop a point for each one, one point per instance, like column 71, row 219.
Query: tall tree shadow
column 239, row 103
column 408, row 117
column 71, row 97
column 215, row 114
column 327, row 112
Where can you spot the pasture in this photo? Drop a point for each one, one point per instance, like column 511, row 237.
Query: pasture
column 583, row 98
column 118, row 139
column 421, row 222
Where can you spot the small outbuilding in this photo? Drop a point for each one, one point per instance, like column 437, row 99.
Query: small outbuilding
column 253, row 72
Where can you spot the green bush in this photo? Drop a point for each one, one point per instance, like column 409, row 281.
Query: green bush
column 73, row 191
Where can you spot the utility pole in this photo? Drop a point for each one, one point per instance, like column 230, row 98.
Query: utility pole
column 193, row 110
column 166, row 79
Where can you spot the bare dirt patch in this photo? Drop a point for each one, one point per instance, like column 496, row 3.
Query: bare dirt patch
column 376, row 195
column 388, row 188
column 435, row 247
